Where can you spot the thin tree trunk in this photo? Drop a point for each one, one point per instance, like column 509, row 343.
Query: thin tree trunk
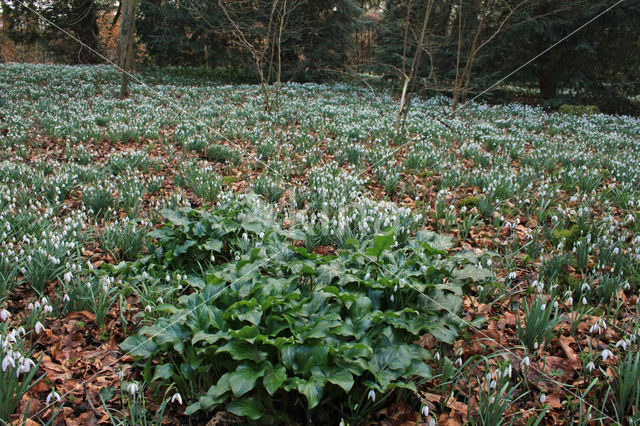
column 125, row 50
column 411, row 78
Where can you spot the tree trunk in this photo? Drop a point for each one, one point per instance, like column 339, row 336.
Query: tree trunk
column 125, row 50
column 87, row 31
column 547, row 87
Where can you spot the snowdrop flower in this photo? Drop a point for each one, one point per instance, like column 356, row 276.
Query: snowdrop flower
column 525, row 361
column 459, row 362
column 436, row 357
column 391, row 298
column 39, row 328
column 66, row 298
column 176, row 397
column 508, row 371
column 8, row 359
column 512, row 275
column 432, row 422
column 425, row 410
column 372, row 395
column 622, row 343
column 606, row 354
column 591, row 366
column 542, row 398
column 133, row 388
column 53, row 395
column 4, row 314
column 148, row 308
column 167, row 278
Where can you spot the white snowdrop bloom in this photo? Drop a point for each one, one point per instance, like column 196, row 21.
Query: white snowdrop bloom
column 53, row 395
column 525, row 361
column 133, row 388
column 67, row 276
column 148, row 308
column 425, row 410
column 606, row 354
column 512, row 275
column 591, row 366
column 623, row 343
column 66, row 298
column 167, row 278
column 177, row 397
column 8, row 359
column 391, row 298
column 372, row 395
column 4, row 314
column 542, row 398
column 436, row 357
column 432, row 422
column 39, row 328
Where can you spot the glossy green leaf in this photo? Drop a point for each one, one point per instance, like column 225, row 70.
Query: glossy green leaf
column 246, row 407
column 244, row 378
column 273, row 378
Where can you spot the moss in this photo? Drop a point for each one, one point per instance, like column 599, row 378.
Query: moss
column 469, row 202
column 228, row 180
column 567, row 236
column 578, row 109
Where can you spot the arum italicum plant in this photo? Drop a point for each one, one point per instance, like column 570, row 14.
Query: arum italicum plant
column 350, row 320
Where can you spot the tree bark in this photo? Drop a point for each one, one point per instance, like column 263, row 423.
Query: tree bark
column 125, row 48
